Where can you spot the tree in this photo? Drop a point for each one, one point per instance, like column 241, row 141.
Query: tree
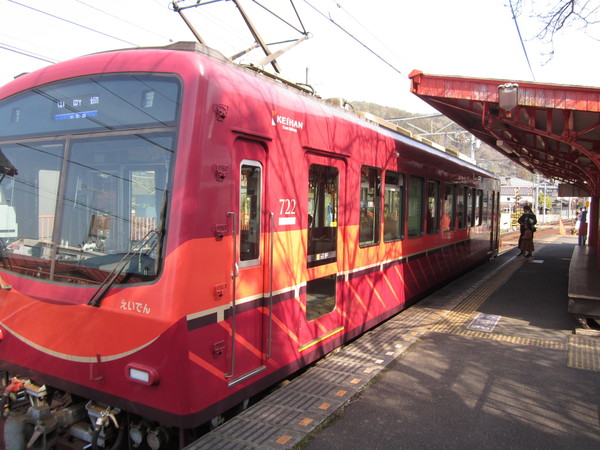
column 562, row 14
column 544, row 201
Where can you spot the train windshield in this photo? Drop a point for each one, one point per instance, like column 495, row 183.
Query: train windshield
column 84, row 177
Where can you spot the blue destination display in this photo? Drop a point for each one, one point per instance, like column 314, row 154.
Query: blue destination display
column 97, row 102
column 76, row 115
column 484, row 322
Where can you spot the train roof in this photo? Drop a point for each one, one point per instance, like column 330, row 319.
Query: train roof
column 338, row 105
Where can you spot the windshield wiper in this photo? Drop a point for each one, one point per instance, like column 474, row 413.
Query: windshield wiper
column 4, row 253
column 6, row 167
column 111, row 279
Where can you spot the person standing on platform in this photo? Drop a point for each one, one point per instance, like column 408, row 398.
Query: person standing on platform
column 583, row 226
column 527, row 218
column 527, row 241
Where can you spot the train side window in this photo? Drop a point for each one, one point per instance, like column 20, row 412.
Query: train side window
column 470, row 207
column 478, row 207
column 322, row 215
column 488, row 206
column 461, row 207
column 415, row 206
column 370, row 205
column 320, row 296
column 394, row 206
column 449, row 212
column 250, row 208
column 433, row 213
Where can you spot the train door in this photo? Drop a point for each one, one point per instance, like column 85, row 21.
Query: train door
column 326, row 177
column 248, row 279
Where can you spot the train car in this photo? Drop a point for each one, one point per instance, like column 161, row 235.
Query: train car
column 180, row 233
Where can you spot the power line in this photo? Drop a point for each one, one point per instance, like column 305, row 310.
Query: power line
column 122, row 20
column 21, row 51
column 521, row 38
column 353, row 37
column 383, row 44
column 72, row 23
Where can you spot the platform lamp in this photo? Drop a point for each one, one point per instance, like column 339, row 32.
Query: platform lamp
column 508, row 94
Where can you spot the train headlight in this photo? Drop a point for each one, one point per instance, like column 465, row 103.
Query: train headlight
column 139, row 373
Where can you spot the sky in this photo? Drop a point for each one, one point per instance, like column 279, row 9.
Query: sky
column 357, row 49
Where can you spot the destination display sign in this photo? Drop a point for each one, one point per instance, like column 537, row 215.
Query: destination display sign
column 81, row 107
column 98, row 102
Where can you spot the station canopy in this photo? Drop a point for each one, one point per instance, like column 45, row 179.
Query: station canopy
column 549, row 129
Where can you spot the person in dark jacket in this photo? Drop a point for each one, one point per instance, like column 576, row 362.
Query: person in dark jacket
column 527, row 247
column 528, row 220
column 582, row 229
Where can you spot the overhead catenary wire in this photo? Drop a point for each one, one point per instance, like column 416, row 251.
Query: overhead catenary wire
column 359, row 23
column 355, row 38
column 514, row 16
column 24, row 52
column 73, row 23
column 122, row 20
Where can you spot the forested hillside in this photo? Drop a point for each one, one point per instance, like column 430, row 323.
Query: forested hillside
column 441, row 130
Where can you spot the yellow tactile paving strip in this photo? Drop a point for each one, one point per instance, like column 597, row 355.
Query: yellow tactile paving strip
column 457, row 320
column 584, row 352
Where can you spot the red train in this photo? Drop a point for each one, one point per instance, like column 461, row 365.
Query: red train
column 179, row 233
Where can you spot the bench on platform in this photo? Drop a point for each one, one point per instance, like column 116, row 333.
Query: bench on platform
column 584, row 284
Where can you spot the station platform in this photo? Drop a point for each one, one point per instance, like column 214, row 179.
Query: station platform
column 490, row 361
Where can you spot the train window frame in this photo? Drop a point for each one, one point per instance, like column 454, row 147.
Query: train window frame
column 394, row 206
column 416, row 191
column 95, row 103
column 255, row 204
column 322, row 222
column 448, row 220
column 470, row 207
column 487, row 206
column 432, row 218
column 369, row 225
column 478, row 207
column 461, row 207
column 321, row 296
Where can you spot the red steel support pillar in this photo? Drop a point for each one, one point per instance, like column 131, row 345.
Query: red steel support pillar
column 594, row 226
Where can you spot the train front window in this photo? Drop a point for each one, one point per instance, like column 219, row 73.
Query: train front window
column 94, row 103
column 75, row 202
column 65, row 215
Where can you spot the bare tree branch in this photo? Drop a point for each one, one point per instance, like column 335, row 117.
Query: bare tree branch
column 562, row 14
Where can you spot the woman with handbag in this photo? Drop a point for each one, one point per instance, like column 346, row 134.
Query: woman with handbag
column 527, row 221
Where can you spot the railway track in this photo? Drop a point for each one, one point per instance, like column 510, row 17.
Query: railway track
column 510, row 240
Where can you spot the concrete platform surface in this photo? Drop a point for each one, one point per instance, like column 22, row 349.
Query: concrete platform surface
column 527, row 381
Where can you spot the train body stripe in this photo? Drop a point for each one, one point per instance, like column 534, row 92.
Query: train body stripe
column 220, row 313
column 75, row 358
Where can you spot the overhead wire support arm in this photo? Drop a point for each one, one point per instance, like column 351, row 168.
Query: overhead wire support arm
column 270, row 58
column 179, row 11
column 257, row 36
column 303, row 31
column 198, row 3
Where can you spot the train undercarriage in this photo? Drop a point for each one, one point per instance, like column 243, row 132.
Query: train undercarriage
column 41, row 418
